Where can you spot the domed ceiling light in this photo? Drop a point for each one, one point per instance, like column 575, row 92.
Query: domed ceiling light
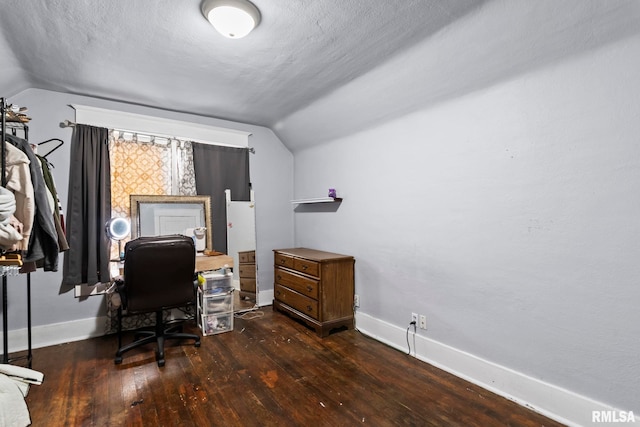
column 232, row 18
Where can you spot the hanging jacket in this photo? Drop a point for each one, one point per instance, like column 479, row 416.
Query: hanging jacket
column 9, row 227
column 43, row 244
column 54, row 203
column 19, row 182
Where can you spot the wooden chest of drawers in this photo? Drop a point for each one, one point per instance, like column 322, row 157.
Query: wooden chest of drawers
column 247, row 274
column 315, row 287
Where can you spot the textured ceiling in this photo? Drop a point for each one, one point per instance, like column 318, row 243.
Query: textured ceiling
column 169, row 56
column 311, row 67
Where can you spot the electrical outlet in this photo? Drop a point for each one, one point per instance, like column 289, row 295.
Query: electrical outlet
column 356, row 301
column 423, row 321
column 414, row 318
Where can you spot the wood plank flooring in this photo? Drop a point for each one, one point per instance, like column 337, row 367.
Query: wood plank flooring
column 269, row 371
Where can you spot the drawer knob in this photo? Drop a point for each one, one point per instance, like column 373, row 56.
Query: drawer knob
column 305, row 266
column 309, row 308
column 309, row 288
column 278, row 293
column 279, row 277
column 282, row 261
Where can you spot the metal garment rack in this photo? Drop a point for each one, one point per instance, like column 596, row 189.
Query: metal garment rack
column 5, row 326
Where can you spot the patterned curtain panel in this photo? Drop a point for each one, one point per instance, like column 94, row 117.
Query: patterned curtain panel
column 186, row 174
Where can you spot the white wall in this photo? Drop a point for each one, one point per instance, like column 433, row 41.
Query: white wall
column 510, row 217
column 271, row 176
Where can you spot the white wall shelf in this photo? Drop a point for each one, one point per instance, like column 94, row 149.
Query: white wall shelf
column 317, row 200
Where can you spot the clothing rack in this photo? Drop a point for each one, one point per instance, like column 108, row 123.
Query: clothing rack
column 11, row 262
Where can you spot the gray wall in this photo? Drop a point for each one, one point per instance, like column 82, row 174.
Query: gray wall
column 271, row 175
column 508, row 216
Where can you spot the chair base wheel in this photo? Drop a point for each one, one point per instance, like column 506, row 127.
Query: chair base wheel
column 159, row 335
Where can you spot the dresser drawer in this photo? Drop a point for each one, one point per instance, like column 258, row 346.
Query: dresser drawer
column 297, row 301
column 247, row 285
column 302, row 265
column 306, row 266
column 247, row 270
column 283, row 260
column 304, row 285
column 246, row 257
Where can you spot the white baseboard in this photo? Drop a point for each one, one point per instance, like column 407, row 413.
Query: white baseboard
column 554, row 402
column 547, row 399
column 56, row 333
column 265, row 297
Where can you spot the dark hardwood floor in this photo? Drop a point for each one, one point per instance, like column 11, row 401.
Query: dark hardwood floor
column 268, row 371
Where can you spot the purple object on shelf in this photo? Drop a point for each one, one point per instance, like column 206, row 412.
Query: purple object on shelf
column 332, row 192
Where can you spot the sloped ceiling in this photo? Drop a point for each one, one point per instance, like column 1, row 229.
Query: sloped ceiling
column 312, row 70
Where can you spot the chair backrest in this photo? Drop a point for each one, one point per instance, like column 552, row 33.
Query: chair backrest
column 159, row 272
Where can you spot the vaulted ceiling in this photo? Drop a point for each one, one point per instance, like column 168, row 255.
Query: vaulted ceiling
column 312, row 69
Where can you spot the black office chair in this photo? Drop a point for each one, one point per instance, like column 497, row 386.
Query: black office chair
column 158, row 275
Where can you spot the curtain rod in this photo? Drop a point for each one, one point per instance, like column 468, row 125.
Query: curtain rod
column 70, row 124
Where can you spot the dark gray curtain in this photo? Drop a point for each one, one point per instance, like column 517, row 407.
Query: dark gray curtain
column 88, row 207
column 217, row 169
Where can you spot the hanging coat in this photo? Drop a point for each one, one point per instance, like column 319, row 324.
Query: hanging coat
column 19, row 182
column 54, row 202
column 43, row 244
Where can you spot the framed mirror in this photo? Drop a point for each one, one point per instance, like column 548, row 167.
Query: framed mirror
column 241, row 245
column 164, row 215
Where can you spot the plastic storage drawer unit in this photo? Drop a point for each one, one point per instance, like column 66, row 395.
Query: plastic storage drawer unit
column 215, row 304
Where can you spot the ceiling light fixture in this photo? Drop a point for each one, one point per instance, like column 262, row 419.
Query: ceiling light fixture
column 232, row 18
